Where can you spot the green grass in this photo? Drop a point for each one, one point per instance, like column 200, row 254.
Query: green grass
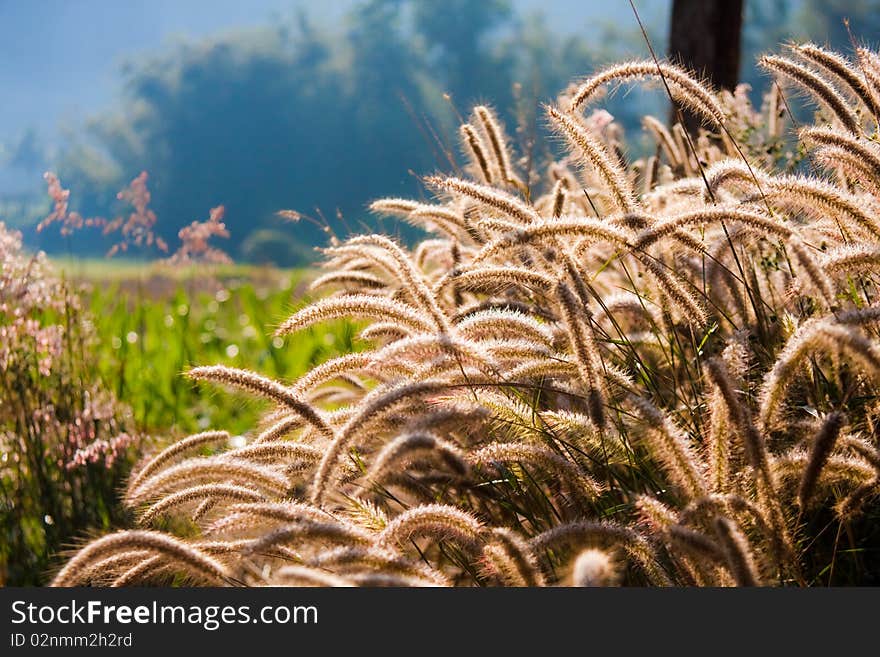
column 153, row 323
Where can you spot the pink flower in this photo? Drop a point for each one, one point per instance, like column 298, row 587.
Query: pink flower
column 194, row 240
column 599, row 120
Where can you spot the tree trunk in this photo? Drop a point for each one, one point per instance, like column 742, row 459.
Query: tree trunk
column 704, row 36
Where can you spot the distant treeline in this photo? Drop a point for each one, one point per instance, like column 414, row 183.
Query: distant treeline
column 322, row 120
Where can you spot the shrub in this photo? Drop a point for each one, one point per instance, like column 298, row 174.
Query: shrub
column 66, row 445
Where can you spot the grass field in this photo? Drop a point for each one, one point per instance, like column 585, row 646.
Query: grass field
column 628, row 373
column 92, row 370
column 153, row 323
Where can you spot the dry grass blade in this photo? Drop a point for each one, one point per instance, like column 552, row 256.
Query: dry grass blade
column 695, row 96
column 596, row 156
column 191, row 560
column 176, row 449
column 815, row 85
column 197, row 493
column 260, row 385
column 357, row 305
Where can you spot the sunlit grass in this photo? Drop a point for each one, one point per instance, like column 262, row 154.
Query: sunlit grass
column 154, row 322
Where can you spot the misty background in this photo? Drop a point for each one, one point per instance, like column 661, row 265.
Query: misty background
column 318, row 107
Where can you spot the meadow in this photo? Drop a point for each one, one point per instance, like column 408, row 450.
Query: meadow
column 143, row 325
column 154, row 323
column 596, row 369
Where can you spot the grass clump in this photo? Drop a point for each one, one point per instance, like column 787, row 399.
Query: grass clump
column 594, row 371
